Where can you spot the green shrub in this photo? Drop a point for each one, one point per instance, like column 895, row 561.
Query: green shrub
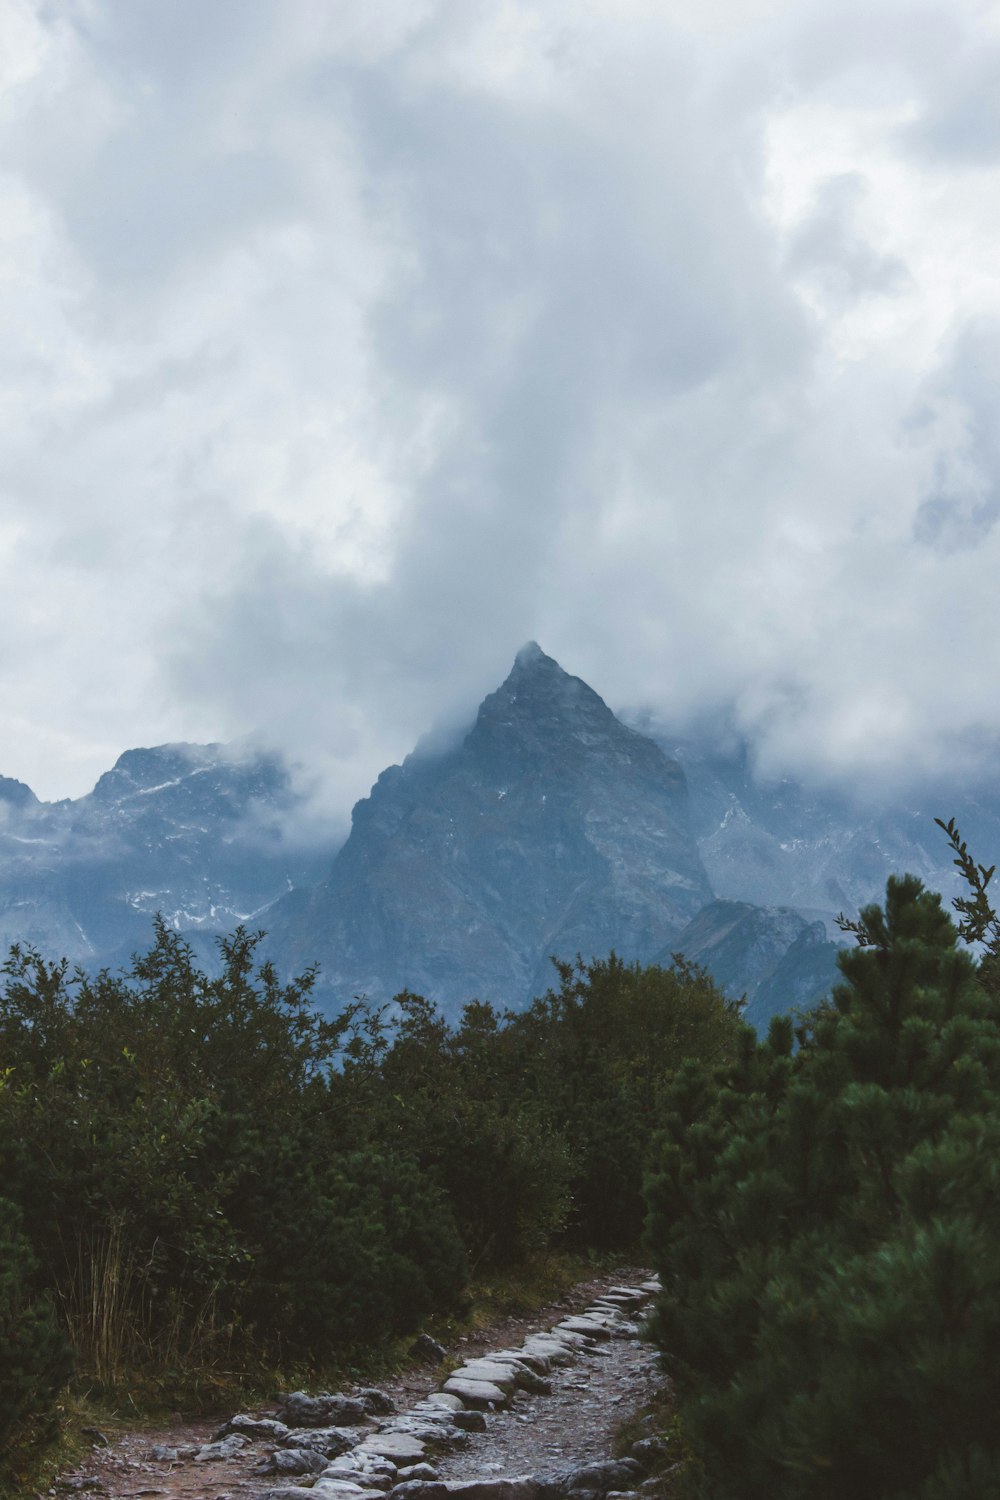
column 34, row 1354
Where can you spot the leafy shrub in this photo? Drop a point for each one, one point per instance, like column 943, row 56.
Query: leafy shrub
column 34, row 1354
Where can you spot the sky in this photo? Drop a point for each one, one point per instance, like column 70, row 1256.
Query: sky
column 344, row 347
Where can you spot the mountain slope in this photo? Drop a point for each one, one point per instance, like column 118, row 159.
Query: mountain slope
column 551, row 829
column 194, row 832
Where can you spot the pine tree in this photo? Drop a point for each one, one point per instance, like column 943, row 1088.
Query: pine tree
column 827, row 1226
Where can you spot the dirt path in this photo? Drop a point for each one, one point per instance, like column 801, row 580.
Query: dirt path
column 540, row 1434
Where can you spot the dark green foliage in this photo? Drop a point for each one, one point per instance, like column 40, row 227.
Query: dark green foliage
column 537, row 1125
column 826, row 1221
column 34, row 1353
column 205, row 1169
column 170, row 1141
column 606, row 1045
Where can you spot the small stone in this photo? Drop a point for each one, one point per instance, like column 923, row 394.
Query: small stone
column 441, row 1400
column 524, row 1487
column 399, row 1446
column 292, row 1461
column 330, row 1441
column 469, row 1421
column 590, row 1327
column 476, row 1392
column 377, row 1403
column 487, row 1370
column 218, row 1452
column 299, row 1409
column 613, row 1474
column 254, row 1428
column 418, row 1471
column 427, row 1349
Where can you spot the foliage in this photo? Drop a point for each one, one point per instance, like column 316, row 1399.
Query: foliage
column 826, row 1222
column 168, row 1139
column 206, row 1170
column 35, row 1360
column 536, row 1125
column 606, row 1045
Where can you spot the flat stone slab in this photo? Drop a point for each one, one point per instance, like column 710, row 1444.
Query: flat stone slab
column 524, row 1487
column 476, row 1392
column 440, row 1399
column 537, row 1362
column 335, row 1489
column 562, row 1335
column 555, row 1353
column 401, row 1447
column 489, row 1370
column 588, row 1326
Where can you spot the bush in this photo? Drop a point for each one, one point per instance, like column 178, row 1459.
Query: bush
column 34, row 1355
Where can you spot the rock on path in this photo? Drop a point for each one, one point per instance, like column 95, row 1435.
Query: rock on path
column 533, row 1421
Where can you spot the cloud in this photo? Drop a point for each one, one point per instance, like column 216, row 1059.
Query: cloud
column 346, row 348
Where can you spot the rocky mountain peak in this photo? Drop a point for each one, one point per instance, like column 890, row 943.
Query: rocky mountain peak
column 541, row 709
column 551, row 828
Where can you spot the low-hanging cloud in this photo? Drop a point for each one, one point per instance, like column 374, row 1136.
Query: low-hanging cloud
column 346, row 348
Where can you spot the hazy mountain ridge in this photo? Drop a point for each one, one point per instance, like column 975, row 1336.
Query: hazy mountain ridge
column 550, row 828
column 194, row 832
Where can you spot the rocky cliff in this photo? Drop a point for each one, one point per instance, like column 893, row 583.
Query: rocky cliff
column 551, row 828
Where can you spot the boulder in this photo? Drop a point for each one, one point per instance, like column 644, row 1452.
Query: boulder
column 299, row 1409
column 217, row 1452
column 330, row 1441
column 439, row 1400
column 537, row 1362
column 419, row 1489
column 375, row 1402
column 524, row 1487
column 257, row 1429
column 427, row 1349
column 469, row 1421
column 601, row 1478
column 292, row 1461
column 476, row 1392
column 488, row 1370
column 593, row 1328
column 336, row 1489
column 401, row 1447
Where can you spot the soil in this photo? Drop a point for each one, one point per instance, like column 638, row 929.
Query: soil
column 539, row 1435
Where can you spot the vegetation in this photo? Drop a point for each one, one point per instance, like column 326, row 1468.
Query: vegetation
column 825, row 1217
column 203, row 1172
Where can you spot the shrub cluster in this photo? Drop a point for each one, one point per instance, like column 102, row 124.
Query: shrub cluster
column 201, row 1167
column 826, row 1220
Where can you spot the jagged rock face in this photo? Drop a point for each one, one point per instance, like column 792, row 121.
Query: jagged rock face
column 191, row 831
column 776, row 957
column 779, row 843
column 551, row 829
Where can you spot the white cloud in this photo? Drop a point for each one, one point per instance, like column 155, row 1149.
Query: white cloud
column 343, row 348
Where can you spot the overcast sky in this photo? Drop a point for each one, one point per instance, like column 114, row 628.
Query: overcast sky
column 347, row 344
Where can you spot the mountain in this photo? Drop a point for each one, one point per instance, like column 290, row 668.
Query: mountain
column 195, row 832
column 774, row 956
column 551, row 828
column 775, row 841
